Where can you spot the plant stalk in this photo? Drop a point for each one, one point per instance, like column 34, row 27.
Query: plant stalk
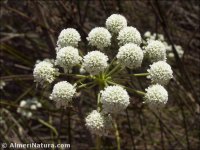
column 117, row 134
column 128, row 89
column 140, row 74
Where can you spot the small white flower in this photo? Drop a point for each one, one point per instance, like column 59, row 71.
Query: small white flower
column 147, row 34
column 95, row 62
column 129, row 35
column 26, row 105
column 23, row 103
column 160, row 72
column 44, row 72
column 98, row 123
column 68, row 57
column 99, row 37
column 156, row 96
column 167, row 47
column 28, row 115
column 130, row 55
column 114, row 99
column 155, row 51
column 82, row 70
column 38, row 105
column 62, row 93
column 68, row 37
column 160, row 37
column 2, row 84
column 52, row 61
column 170, row 55
column 115, row 23
column 153, row 36
column 33, row 107
column 179, row 50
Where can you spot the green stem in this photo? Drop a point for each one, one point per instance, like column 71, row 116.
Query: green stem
column 80, row 80
column 113, row 71
column 98, row 142
column 110, row 65
column 128, row 89
column 49, row 126
column 69, row 128
column 84, row 85
column 98, row 138
column 75, row 75
column 116, row 134
column 98, row 103
column 106, row 84
column 101, row 86
column 140, row 74
column 93, row 85
column 52, row 135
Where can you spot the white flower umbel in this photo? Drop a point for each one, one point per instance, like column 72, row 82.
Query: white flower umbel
column 98, row 123
column 99, row 37
column 130, row 55
column 95, row 62
column 115, row 23
column 160, row 72
column 68, row 37
column 68, row 57
column 153, row 36
column 160, row 37
column 156, row 96
column 155, row 51
column 129, row 35
column 44, row 72
column 114, row 99
column 27, row 105
column 62, row 93
column 179, row 50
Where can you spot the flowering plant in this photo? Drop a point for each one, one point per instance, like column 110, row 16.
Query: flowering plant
column 110, row 75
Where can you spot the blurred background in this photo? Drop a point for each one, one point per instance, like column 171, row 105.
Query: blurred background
column 29, row 31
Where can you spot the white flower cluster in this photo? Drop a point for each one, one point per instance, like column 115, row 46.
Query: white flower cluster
column 98, row 123
column 26, row 106
column 153, row 36
column 156, row 95
column 44, row 72
column 149, row 36
column 95, row 62
column 114, row 99
column 129, row 35
column 115, row 23
column 62, row 93
column 155, row 51
column 99, row 37
column 160, row 72
column 179, row 50
column 68, row 57
column 68, row 37
column 130, row 55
